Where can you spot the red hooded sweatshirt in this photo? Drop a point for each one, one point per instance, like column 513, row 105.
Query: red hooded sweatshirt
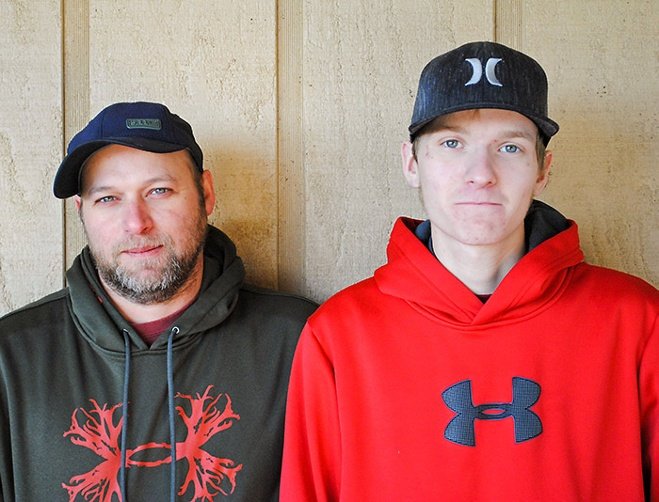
column 406, row 387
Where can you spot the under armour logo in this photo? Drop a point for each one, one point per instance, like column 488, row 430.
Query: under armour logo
column 461, row 428
column 477, row 68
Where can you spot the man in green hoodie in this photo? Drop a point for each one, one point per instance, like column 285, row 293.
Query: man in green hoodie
column 157, row 373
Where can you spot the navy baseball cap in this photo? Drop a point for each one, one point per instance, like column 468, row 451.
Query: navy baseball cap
column 142, row 125
column 483, row 75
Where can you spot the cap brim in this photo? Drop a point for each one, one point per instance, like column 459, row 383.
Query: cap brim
column 68, row 174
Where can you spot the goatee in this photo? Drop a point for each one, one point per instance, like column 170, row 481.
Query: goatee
column 157, row 280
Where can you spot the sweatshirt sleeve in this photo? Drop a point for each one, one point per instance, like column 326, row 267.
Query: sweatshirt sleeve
column 649, row 392
column 312, row 445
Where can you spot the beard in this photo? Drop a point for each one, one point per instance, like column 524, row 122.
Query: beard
column 158, row 279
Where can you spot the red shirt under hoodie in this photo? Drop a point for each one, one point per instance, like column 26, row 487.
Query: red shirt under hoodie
column 406, row 387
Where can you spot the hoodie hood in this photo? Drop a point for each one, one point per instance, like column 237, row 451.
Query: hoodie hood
column 102, row 324
column 413, row 274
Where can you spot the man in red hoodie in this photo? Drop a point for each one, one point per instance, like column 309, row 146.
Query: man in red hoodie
column 485, row 360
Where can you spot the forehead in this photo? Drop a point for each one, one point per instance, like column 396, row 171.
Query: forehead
column 125, row 163
column 504, row 120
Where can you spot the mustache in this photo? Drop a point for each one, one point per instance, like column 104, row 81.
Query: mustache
column 140, row 243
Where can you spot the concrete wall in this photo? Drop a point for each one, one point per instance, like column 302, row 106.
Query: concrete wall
column 300, row 107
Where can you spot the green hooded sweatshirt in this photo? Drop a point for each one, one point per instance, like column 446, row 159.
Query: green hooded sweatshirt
column 81, row 394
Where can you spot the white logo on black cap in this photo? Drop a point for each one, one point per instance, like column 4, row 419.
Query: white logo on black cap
column 477, row 67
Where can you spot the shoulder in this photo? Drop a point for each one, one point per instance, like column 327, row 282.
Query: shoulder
column 614, row 294
column 362, row 299
column 275, row 304
column 36, row 310
column 609, row 282
column 36, row 316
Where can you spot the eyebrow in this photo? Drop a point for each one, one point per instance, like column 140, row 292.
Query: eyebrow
column 506, row 133
column 518, row 133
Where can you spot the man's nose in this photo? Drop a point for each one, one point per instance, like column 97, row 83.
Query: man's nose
column 480, row 169
column 137, row 217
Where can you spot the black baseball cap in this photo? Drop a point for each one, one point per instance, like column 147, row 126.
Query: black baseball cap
column 142, row 125
column 483, row 75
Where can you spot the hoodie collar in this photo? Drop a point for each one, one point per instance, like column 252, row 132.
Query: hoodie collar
column 413, row 274
column 101, row 322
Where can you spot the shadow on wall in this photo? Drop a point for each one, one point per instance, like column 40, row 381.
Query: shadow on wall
column 247, row 208
column 609, row 186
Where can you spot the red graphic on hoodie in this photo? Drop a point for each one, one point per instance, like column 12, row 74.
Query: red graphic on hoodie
column 207, row 475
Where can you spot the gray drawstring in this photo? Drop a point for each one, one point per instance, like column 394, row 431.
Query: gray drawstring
column 172, row 417
column 124, row 429
column 171, row 411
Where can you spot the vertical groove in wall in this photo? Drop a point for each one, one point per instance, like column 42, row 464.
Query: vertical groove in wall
column 508, row 22
column 290, row 147
column 75, row 101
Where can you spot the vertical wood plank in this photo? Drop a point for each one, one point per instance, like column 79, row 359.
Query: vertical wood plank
column 290, row 155
column 509, row 23
column 30, row 147
column 75, row 104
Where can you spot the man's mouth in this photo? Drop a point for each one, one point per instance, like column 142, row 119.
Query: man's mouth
column 478, row 203
column 143, row 250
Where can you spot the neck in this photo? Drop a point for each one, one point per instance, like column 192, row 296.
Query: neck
column 137, row 313
column 479, row 267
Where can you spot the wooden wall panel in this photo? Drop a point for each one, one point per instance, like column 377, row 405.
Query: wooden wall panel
column 290, row 147
column 362, row 61
column 301, row 106
column 75, row 104
column 602, row 62
column 30, row 148
column 213, row 63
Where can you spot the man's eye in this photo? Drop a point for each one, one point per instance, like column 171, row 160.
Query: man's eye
column 510, row 148
column 159, row 191
column 451, row 143
column 106, row 199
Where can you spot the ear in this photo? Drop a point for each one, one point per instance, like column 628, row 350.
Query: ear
column 209, row 191
column 410, row 164
column 543, row 175
column 77, row 201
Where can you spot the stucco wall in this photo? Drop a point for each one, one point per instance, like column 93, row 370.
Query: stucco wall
column 301, row 105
